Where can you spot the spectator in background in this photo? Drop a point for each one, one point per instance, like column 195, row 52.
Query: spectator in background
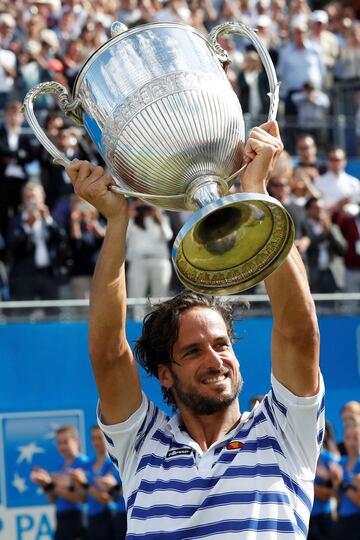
column 16, row 151
column 321, row 526
column 348, row 526
column 54, row 179
column 302, row 188
column 307, row 157
column 340, row 190
column 73, row 59
column 87, row 232
column 35, row 243
column 101, row 507
column 326, row 249
column 349, row 58
column 7, row 59
column 326, row 41
column 299, row 62
column 175, row 11
column 312, row 106
column 350, row 228
column 253, row 86
column 279, row 188
column 350, row 416
column 147, row 253
column 59, row 489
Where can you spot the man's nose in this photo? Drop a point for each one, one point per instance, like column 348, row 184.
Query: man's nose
column 214, row 359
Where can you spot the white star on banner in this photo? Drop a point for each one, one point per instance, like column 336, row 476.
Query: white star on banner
column 27, row 452
column 19, row 483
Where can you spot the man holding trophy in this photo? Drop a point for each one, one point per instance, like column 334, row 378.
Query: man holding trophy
column 209, row 471
column 157, row 103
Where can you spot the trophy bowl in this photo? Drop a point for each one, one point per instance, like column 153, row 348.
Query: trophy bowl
column 158, row 105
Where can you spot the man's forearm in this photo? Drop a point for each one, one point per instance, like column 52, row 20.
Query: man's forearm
column 108, row 295
column 290, row 297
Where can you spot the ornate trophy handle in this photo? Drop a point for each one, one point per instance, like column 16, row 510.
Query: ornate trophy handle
column 241, row 29
column 71, row 108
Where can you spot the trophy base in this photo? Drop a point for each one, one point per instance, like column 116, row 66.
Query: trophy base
column 232, row 244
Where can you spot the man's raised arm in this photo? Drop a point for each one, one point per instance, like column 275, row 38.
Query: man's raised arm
column 113, row 364
column 295, row 337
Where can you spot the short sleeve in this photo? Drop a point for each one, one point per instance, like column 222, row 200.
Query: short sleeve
column 124, row 441
column 299, row 423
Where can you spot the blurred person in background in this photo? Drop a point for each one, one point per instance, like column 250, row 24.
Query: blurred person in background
column 349, row 57
column 307, row 156
column 326, row 249
column 54, row 179
column 59, row 488
column 73, row 60
column 7, row 59
column 175, row 11
column 7, row 30
column 350, row 416
column 92, row 487
column 16, row 151
column 253, row 86
column 326, row 41
column 147, row 253
column 340, row 190
column 87, row 231
column 279, row 187
column 299, row 62
column 348, row 525
column 302, row 187
column 312, row 105
column 350, row 228
column 35, row 244
column 328, row 475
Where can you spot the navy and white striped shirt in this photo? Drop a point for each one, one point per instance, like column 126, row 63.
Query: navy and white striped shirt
column 254, row 483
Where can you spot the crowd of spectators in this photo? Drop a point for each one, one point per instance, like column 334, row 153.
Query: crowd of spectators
column 49, row 240
column 86, row 490
column 336, row 511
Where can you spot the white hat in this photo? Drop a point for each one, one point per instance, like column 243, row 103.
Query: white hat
column 319, row 15
column 6, row 18
column 299, row 22
column 49, row 37
column 264, row 21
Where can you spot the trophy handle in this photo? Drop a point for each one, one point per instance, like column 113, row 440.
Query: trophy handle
column 241, row 29
column 73, row 110
column 70, row 107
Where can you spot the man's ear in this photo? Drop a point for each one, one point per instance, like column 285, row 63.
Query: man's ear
column 165, row 376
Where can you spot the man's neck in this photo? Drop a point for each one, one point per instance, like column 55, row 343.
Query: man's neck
column 207, row 429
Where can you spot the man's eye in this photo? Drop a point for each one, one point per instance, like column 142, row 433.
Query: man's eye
column 222, row 346
column 191, row 352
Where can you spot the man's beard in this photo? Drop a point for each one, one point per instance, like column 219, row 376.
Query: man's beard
column 205, row 405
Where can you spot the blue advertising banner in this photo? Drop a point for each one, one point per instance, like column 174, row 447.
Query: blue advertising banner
column 46, row 381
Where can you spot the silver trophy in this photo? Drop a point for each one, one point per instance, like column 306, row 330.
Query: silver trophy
column 157, row 103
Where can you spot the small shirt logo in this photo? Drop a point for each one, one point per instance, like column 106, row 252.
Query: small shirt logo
column 180, row 452
column 235, row 445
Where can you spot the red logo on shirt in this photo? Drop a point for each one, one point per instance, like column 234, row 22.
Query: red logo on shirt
column 235, row 445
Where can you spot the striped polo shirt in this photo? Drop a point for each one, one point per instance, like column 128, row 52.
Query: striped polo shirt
column 254, row 483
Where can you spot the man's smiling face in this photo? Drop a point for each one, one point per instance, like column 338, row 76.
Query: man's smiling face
column 204, row 374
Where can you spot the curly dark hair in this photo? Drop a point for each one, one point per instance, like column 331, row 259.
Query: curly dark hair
column 161, row 327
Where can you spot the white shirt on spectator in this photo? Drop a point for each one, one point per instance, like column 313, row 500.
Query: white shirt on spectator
column 7, row 61
column 334, row 187
column 298, row 66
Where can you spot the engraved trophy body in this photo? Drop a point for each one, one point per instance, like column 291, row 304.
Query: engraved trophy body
column 157, row 103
